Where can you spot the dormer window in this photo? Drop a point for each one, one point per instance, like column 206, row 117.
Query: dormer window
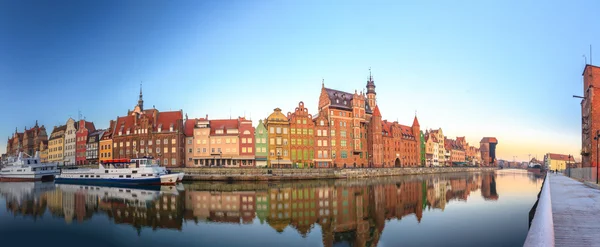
column 160, row 128
column 128, row 131
column 345, row 103
column 337, row 101
column 171, row 128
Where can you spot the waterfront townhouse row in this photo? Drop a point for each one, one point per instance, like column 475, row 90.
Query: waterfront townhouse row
column 348, row 130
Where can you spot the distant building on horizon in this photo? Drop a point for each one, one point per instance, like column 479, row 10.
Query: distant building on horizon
column 487, row 147
column 558, row 161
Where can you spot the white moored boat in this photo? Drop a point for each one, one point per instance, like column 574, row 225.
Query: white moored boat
column 27, row 169
column 120, row 172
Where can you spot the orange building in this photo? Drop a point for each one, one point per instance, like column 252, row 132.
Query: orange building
column 302, row 137
column 106, row 143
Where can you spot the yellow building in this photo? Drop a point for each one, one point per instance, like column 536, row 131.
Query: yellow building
column 439, row 134
column 279, row 135
column 56, row 145
column 44, row 151
column 558, row 161
column 106, row 144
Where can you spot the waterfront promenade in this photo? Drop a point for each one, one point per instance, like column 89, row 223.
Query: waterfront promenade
column 575, row 211
column 569, row 211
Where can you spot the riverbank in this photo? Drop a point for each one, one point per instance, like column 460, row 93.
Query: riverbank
column 262, row 174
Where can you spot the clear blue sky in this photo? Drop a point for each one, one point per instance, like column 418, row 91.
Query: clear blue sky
column 475, row 68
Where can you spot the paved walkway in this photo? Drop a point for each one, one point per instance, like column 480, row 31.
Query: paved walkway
column 576, row 212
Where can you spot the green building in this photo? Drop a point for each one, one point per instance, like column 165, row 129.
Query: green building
column 262, row 205
column 261, row 145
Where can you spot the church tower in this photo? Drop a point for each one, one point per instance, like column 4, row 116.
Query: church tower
column 371, row 95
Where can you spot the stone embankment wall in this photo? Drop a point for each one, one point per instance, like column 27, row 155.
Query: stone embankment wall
column 262, row 174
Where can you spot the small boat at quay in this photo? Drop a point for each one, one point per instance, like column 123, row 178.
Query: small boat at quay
column 27, row 169
column 144, row 171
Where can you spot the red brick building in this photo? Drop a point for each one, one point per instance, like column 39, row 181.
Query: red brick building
column 348, row 116
column 28, row 141
column 590, row 116
column 375, row 140
column 82, row 134
column 487, row 147
column 401, row 144
column 302, row 137
column 150, row 133
column 247, row 150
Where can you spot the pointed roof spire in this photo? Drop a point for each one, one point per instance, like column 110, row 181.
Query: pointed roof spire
column 416, row 121
column 376, row 112
column 322, row 83
column 141, row 100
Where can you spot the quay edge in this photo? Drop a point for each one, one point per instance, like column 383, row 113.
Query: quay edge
column 263, row 174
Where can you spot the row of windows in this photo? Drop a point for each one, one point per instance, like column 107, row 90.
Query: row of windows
column 305, row 142
column 217, row 150
column 142, row 142
column 278, row 153
column 278, row 130
column 149, row 150
column 322, row 154
column 301, row 131
column 299, row 154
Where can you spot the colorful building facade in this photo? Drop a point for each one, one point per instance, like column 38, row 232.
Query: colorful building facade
column 106, row 143
column 92, row 149
column 279, row 147
column 349, row 115
column 56, row 145
column 150, row 133
column 261, row 147
column 83, row 131
column 70, row 142
column 246, row 144
column 322, row 158
column 302, row 137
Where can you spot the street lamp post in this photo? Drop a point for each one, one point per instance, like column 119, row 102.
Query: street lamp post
column 278, row 158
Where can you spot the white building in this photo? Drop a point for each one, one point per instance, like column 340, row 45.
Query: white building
column 70, row 142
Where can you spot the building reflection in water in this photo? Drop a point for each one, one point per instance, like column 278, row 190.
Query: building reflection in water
column 348, row 212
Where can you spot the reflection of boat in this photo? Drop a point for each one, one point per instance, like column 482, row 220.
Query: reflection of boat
column 25, row 190
column 141, row 195
column 27, row 169
column 121, row 171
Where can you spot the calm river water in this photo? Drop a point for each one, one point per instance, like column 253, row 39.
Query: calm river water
column 458, row 209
